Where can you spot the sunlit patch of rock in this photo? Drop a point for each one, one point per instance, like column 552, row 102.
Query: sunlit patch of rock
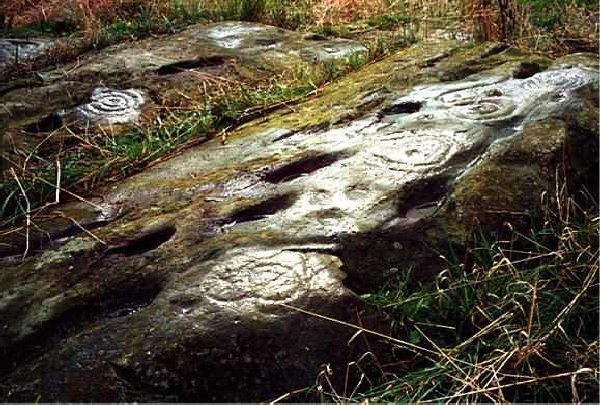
column 110, row 106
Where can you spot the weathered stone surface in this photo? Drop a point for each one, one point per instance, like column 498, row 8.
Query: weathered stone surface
column 172, row 69
column 111, row 106
column 15, row 50
column 187, row 286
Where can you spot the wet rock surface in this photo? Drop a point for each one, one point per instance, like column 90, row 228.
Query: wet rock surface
column 188, row 285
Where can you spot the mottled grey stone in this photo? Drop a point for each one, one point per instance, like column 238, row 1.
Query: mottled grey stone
column 200, row 267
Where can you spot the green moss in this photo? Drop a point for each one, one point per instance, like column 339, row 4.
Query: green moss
column 43, row 29
column 506, row 187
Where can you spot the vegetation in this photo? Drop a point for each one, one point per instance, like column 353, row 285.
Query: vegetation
column 98, row 156
column 511, row 320
column 556, row 26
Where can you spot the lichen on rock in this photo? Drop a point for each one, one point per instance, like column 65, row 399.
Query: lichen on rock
column 202, row 277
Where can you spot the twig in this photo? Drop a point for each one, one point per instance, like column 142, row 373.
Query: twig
column 57, row 189
column 287, row 395
column 530, row 381
column 403, row 343
column 27, row 212
column 30, row 155
column 87, row 231
column 71, row 194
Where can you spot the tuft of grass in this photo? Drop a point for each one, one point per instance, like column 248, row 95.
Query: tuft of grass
column 356, row 60
column 516, row 320
column 383, row 46
column 98, row 156
column 388, row 22
column 555, row 27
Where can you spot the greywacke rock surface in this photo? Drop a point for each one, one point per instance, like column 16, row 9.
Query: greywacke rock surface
column 17, row 50
column 169, row 70
column 190, row 287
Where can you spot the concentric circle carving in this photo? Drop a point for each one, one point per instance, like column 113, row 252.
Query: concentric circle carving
column 415, row 150
column 486, row 109
column 263, row 277
column 112, row 106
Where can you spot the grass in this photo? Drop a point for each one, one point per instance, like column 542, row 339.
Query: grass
column 559, row 27
column 511, row 320
column 555, row 27
column 146, row 22
column 138, row 18
column 550, row 26
column 90, row 159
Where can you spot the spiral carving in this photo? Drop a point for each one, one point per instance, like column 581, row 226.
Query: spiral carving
column 111, row 106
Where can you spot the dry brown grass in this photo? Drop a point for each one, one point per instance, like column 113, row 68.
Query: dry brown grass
column 317, row 12
column 502, row 20
column 26, row 12
column 333, row 12
column 576, row 28
column 577, row 32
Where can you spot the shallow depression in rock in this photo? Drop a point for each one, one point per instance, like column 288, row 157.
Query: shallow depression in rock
column 192, row 64
column 144, row 242
column 302, row 167
column 263, row 209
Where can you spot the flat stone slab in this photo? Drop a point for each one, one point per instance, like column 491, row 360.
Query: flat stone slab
column 15, row 50
column 196, row 272
column 169, row 70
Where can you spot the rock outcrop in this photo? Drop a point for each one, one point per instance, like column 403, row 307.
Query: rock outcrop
column 188, row 282
column 169, row 70
column 17, row 50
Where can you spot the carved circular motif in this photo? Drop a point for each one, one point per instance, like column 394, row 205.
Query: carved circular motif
column 267, row 277
column 486, row 109
column 11, row 49
column 112, row 106
column 479, row 104
column 415, row 150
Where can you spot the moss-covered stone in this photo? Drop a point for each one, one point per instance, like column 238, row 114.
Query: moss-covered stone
column 187, row 281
